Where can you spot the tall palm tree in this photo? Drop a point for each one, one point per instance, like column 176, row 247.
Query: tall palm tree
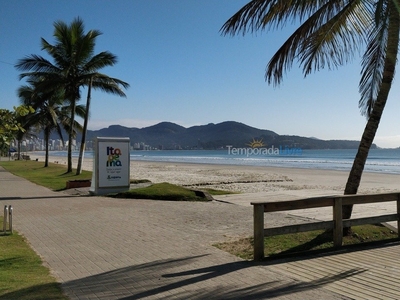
column 330, row 33
column 74, row 65
column 49, row 115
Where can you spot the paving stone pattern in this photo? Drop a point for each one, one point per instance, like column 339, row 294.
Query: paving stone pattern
column 105, row 248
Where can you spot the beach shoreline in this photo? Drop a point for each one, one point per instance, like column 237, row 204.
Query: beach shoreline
column 247, row 179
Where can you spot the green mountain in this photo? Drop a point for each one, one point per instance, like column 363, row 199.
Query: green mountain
column 168, row 135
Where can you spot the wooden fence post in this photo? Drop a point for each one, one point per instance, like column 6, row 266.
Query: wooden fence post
column 258, row 231
column 398, row 215
column 337, row 222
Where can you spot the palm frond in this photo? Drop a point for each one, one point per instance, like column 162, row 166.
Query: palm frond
column 85, row 46
column 99, row 61
column 283, row 59
column 335, row 42
column 271, row 14
column 80, row 110
column 36, row 63
column 373, row 61
column 109, row 85
column 57, row 53
column 328, row 36
column 248, row 18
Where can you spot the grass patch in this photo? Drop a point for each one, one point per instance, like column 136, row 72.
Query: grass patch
column 162, row 191
column 22, row 275
column 52, row 177
column 55, row 178
column 304, row 242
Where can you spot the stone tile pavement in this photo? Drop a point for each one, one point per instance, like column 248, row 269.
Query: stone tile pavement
column 104, row 248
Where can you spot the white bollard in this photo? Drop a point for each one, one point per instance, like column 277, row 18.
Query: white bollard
column 5, row 218
column 10, row 211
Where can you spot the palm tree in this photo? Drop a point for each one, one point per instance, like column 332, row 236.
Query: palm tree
column 46, row 113
column 331, row 32
column 74, row 65
column 50, row 114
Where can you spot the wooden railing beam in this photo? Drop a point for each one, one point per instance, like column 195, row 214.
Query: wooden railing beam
column 337, row 223
column 398, row 215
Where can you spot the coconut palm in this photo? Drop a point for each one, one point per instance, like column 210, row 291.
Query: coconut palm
column 74, row 65
column 330, row 33
column 49, row 115
column 46, row 113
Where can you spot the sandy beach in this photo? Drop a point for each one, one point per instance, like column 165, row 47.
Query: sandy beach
column 249, row 179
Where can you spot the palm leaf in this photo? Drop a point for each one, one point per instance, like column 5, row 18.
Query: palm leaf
column 373, row 61
column 337, row 39
column 330, row 33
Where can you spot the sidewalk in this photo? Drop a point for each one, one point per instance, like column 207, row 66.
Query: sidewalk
column 104, row 248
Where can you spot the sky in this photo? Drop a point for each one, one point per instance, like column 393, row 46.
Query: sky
column 181, row 69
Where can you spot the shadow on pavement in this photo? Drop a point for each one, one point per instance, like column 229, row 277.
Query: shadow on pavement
column 162, row 279
column 37, row 197
column 312, row 254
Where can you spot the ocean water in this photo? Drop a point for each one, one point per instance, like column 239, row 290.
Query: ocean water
column 379, row 160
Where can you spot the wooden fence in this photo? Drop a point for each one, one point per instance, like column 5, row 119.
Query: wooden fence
column 336, row 224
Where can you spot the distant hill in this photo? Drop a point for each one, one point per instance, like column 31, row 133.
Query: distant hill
column 167, row 135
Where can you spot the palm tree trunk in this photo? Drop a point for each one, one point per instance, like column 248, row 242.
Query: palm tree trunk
column 71, row 135
column 83, row 142
column 46, row 138
column 19, row 149
column 371, row 127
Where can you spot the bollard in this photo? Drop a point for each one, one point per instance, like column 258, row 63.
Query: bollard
column 10, row 210
column 5, row 218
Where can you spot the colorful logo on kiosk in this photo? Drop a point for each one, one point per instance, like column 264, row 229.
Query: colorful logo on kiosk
column 113, row 155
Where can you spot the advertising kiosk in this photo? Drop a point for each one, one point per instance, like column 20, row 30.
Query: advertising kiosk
column 111, row 165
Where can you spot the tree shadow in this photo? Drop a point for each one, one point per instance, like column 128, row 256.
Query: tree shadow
column 292, row 256
column 44, row 291
column 179, row 278
column 322, row 238
column 37, row 197
column 7, row 262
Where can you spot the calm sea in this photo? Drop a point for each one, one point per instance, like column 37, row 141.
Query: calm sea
column 379, row 160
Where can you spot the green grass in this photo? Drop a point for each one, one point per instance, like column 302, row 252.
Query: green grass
column 55, row 178
column 52, row 177
column 306, row 242
column 22, row 275
column 162, row 191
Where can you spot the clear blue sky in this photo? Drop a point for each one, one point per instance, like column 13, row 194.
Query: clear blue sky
column 182, row 70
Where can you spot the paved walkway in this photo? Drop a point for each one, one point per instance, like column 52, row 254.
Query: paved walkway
column 104, row 248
